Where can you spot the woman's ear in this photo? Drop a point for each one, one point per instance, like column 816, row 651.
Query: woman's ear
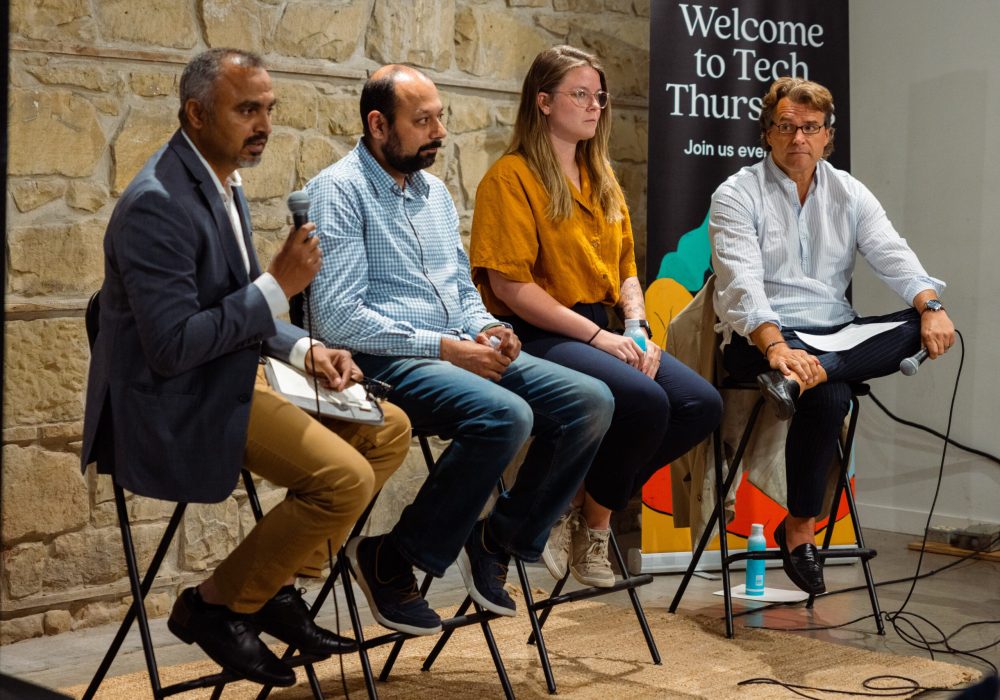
column 542, row 100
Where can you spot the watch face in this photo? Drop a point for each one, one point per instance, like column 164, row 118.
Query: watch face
column 932, row 305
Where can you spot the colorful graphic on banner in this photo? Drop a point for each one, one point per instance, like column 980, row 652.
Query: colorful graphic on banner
column 710, row 65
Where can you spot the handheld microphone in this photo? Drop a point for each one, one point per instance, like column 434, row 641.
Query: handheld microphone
column 298, row 204
column 910, row 365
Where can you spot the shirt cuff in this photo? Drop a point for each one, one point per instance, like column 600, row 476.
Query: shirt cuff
column 297, row 357
column 274, row 295
column 427, row 343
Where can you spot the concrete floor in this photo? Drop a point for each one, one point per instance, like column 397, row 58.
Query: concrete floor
column 966, row 593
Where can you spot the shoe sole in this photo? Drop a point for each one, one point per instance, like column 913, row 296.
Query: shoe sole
column 778, row 406
column 786, row 563
column 465, row 567
column 592, row 582
column 550, row 564
column 186, row 637
column 352, row 556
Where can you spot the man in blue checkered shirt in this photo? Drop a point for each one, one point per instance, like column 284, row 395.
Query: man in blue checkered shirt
column 395, row 288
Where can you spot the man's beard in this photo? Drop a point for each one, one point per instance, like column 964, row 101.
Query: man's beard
column 408, row 164
column 252, row 161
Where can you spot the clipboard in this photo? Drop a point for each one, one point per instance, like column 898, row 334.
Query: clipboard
column 353, row 404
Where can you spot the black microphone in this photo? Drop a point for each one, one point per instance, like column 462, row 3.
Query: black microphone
column 298, row 204
column 910, row 365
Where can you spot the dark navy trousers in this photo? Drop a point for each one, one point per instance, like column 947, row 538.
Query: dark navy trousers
column 655, row 421
column 820, row 412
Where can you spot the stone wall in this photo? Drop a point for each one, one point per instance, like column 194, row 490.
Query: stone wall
column 93, row 87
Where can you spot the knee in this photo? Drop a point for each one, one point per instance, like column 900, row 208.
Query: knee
column 826, row 402
column 396, row 430
column 344, row 487
column 505, row 415
column 597, row 401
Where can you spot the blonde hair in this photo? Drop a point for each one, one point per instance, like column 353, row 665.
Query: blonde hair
column 531, row 137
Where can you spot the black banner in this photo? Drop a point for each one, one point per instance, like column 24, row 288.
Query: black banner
column 710, row 65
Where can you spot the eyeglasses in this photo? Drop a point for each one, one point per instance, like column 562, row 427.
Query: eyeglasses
column 584, row 98
column 786, row 129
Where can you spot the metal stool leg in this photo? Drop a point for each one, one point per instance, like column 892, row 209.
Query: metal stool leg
column 536, row 629
column 636, row 604
column 147, row 583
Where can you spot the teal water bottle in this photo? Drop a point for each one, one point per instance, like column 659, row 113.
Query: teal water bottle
column 634, row 331
column 756, row 567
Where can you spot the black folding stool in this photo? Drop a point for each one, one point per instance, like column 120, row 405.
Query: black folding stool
column 140, row 589
column 397, row 639
column 724, row 484
column 628, row 582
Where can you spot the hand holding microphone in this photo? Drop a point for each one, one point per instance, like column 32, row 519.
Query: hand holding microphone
column 300, row 258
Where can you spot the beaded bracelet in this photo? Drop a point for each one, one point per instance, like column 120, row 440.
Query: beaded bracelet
column 772, row 344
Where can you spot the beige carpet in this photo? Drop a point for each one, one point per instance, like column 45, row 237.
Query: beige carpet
column 597, row 651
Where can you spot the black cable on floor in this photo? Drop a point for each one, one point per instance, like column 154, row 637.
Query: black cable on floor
column 900, row 617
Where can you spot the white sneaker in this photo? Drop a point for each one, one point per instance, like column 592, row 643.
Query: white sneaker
column 590, row 557
column 560, row 543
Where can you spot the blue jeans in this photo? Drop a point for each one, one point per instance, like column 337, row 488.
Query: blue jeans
column 488, row 423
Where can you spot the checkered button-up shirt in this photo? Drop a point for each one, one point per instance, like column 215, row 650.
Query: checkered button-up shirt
column 395, row 277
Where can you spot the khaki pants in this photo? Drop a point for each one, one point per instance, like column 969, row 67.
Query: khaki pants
column 331, row 471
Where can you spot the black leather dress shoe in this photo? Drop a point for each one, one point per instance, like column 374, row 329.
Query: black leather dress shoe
column 229, row 639
column 780, row 392
column 803, row 566
column 286, row 617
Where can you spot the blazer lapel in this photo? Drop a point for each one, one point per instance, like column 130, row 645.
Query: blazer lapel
column 244, row 211
column 223, row 227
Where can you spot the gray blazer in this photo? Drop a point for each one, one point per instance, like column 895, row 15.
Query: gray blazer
column 182, row 330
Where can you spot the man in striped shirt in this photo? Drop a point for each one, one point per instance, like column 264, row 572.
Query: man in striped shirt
column 785, row 233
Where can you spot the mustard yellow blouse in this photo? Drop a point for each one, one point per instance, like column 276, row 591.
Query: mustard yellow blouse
column 582, row 259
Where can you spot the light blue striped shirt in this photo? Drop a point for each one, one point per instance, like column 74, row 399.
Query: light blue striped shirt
column 780, row 262
column 395, row 278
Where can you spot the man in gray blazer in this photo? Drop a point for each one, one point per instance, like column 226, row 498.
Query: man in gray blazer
column 173, row 407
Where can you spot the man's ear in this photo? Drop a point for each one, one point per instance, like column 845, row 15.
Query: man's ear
column 378, row 125
column 196, row 115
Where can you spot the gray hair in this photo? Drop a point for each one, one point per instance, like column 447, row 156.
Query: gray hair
column 200, row 74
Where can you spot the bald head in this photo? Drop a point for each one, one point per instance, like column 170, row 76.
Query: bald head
column 380, row 93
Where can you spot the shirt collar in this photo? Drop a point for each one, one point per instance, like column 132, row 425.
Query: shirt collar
column 234, row 179
column 383, row 182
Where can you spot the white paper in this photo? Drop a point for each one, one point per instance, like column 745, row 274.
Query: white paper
column 848, row 337
column 296, row 384
column 771, row 595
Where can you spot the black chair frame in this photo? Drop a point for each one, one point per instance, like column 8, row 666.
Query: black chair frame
column 139, row 590
column 628, row 582
column 723, row 484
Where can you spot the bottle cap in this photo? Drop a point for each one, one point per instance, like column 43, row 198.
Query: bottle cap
column 756, row 529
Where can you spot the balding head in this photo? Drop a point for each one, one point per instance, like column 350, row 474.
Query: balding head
column 379, row 92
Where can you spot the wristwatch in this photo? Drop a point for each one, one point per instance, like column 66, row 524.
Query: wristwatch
column 932, row 305
column 644, row 325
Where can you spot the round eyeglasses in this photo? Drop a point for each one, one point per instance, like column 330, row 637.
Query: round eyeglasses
column 786, row 129
column 584, row 98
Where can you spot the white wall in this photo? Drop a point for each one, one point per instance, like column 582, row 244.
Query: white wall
column 925, row 116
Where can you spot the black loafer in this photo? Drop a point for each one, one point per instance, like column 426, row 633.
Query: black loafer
column 287, row 618
column 803, row 566
column 229, row 638
column 780, row 392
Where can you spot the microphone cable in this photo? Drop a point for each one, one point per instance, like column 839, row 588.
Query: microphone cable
column 914, row 637
column 307, row 323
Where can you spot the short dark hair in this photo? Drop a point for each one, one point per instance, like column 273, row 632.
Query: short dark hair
column 201, row 72
column 802, row 92
column 379, row 95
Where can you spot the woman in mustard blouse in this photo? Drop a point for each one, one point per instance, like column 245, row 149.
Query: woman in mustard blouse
column 551, row 251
